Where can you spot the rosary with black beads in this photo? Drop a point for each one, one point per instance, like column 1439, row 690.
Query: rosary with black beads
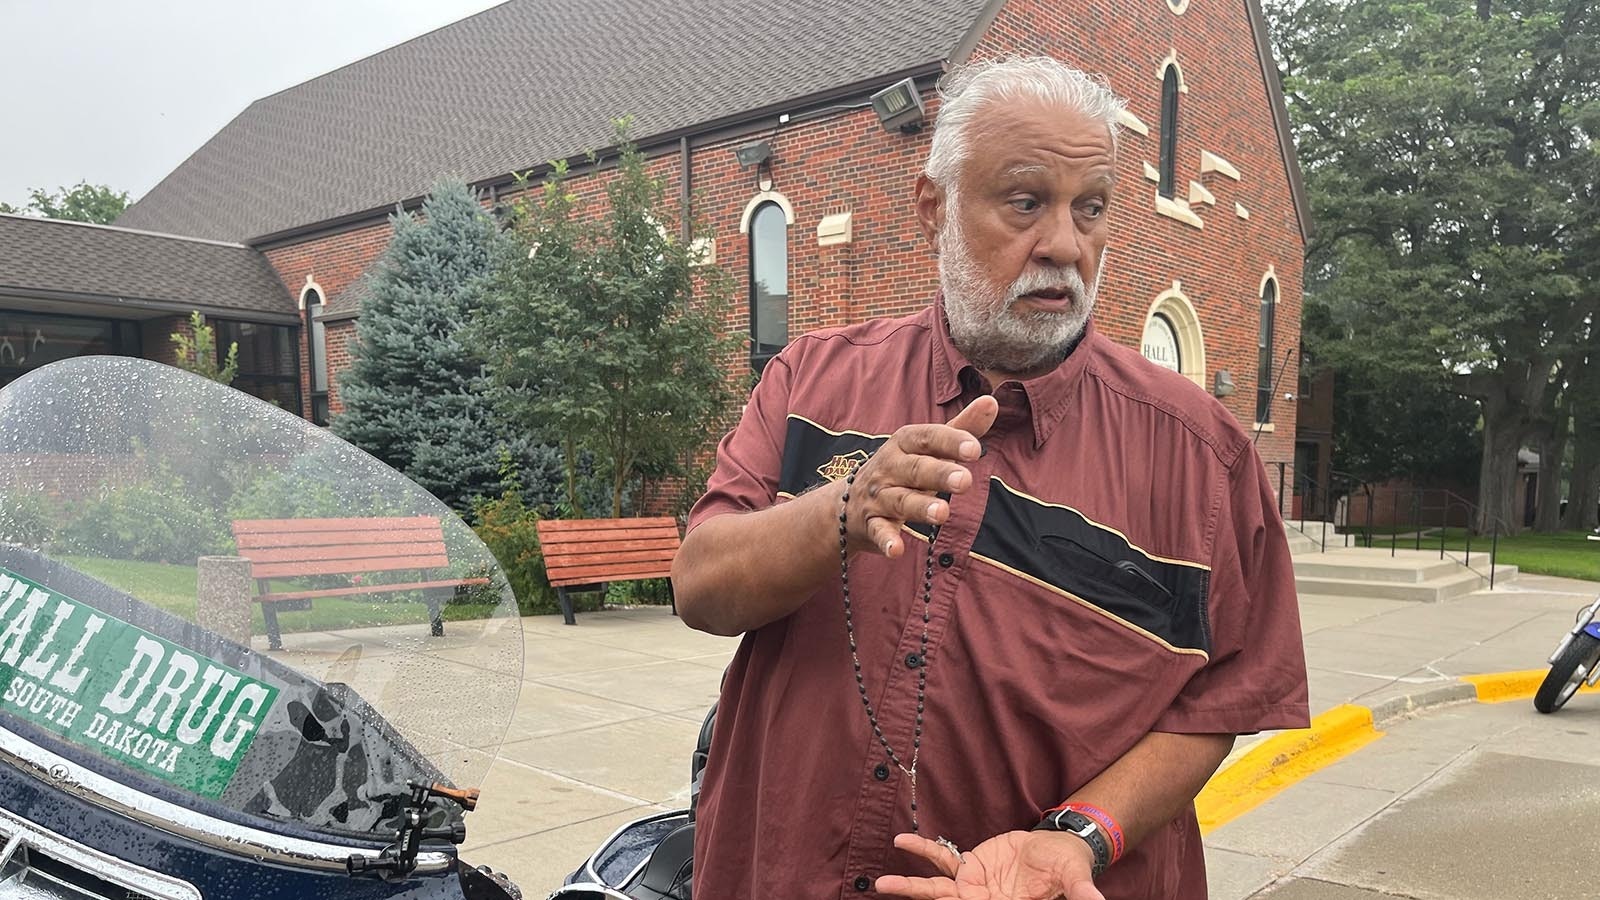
column 922, row 670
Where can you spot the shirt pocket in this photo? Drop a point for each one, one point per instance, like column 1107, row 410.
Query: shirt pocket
column 1130, row 588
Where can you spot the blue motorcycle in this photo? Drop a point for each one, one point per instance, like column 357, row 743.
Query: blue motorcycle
column 1576, row 660
column 239, row 658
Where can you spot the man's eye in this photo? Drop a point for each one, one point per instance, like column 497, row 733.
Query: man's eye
column 1024, row 204
column 1094, row 209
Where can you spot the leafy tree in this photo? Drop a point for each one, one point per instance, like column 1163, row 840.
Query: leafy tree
column 1447, row 151
column 415, row 395
column 597, row 332
column 197, row 352
column 83, row 202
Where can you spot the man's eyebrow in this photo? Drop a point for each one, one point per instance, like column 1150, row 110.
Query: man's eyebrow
column 1025, row 169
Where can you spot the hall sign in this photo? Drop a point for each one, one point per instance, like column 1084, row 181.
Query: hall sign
column 121, row 692
column 1160, row 343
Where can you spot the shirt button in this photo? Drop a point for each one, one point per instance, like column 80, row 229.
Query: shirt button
column 863, row 883
column 881, row 772
column 913, row 660
column 946, row 560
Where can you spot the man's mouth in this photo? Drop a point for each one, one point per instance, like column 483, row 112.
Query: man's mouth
column 1049, row 295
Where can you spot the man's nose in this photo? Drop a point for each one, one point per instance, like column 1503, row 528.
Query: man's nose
column 1058, row 243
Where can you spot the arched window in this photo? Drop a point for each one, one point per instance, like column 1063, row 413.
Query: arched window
column 1169, row 130
column 1269, row 310
column 769, row 284
column 317, row 356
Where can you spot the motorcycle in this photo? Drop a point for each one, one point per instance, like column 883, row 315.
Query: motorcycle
column 651, row 858
column 1576, row 660
column 152, row 746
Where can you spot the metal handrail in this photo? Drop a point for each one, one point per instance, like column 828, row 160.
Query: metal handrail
column 1421, row 505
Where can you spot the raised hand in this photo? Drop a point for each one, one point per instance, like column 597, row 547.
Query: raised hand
column 900, row 482
column 1017, row 865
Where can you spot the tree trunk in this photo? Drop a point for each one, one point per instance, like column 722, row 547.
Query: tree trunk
column 1584, row 494
column 1497, row 479
column 569, row 454
column 1552, row 450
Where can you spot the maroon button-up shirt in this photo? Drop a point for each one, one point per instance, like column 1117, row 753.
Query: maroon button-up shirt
column 1118, row 567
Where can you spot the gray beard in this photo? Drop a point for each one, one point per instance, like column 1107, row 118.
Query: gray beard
column 986, row 326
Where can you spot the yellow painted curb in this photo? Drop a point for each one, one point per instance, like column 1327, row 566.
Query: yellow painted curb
column 1282, row 760
column 1500, row 687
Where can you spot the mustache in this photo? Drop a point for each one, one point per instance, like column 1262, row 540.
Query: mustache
column 1054, row 278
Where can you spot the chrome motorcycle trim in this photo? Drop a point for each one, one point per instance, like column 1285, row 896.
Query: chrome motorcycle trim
column 583, row 889
column 119, row 872
column 589, row 867
column 217, row 834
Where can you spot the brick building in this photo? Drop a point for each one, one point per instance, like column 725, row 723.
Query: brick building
column 1209, row 227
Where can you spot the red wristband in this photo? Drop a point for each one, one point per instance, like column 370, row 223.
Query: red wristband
column 1112, row 830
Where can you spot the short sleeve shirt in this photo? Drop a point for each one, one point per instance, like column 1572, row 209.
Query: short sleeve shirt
column 1118, row 567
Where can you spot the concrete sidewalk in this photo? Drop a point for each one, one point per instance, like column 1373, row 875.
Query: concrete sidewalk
column 610, row 708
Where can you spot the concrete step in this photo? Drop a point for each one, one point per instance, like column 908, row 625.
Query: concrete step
column 1430, row 590
column 1375, row 568
column 1299, row 543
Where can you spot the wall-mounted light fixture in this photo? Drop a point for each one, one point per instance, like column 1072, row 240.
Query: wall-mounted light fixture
column 899, row 107
column 1223, row 384
column 753, row 154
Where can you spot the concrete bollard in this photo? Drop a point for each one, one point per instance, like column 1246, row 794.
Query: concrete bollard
column 223, row 602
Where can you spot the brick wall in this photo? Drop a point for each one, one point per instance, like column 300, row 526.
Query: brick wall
column 846, row 162
column 155, row 338
column 332, row 263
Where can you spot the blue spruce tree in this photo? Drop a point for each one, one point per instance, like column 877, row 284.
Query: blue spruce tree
column 415, row 395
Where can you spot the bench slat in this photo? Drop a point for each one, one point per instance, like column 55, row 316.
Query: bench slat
column 609, row 546
column 373, row 589
column 594, row 559
column 342, row 551
column 347, row 566
column 335, row 538
column 559, row 525
column 606, row 537
column 619, row 572
column 279, row 526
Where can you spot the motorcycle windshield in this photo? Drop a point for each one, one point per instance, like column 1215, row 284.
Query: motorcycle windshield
column 154, row 525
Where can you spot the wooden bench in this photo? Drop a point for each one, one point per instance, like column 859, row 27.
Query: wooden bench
column 584, row 554
column 292, row 548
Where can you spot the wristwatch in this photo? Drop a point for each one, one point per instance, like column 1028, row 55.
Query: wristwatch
column 1073, row 822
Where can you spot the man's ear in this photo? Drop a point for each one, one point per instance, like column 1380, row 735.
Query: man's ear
column 930, row 209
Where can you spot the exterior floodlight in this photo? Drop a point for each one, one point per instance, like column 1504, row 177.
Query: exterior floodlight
column 753, row 154
column 1223, row 385
column 899, row 107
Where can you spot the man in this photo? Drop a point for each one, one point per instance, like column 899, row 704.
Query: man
column 1007, row 590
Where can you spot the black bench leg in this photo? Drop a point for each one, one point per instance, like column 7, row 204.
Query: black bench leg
column 566, row 606
column 672, row 596
column 274, row 637
column 435, row 618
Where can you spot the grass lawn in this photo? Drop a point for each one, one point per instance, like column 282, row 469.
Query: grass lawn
column 173, row 589
column 1564, row 553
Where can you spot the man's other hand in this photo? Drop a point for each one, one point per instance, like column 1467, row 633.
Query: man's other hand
column 900, row 483
column 1017, row 865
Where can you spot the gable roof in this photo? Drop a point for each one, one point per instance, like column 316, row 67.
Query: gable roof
column 525, row 82
column 48, row 259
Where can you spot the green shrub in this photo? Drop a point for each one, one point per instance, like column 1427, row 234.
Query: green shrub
column 27, row 518
column 508, row 527
column 151, row 521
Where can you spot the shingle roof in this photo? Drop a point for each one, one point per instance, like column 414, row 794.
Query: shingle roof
column 525, row 82
column 51, row 259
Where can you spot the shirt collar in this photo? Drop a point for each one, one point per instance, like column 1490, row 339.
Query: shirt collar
column 1048, row 395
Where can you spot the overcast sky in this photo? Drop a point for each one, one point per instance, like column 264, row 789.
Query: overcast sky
column 119, row 92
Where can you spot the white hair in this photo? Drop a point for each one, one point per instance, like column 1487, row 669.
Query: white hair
column 963, row 91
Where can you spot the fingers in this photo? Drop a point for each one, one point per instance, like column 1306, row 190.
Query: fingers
column 917, row 888
column 932, row 851
column 885, row 536
column 978, row 417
